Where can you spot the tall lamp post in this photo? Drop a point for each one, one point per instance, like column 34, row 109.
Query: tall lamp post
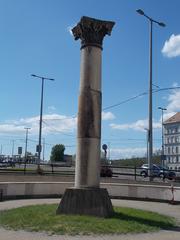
column 162, row 121
column 41, row 113
column 150, row 127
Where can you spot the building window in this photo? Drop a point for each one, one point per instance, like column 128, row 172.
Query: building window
column 169, row 150
column 177, row 150
column 172, row 139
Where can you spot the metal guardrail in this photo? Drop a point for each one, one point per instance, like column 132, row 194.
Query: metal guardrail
column 66, row 170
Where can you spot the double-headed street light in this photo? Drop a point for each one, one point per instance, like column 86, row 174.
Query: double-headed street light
column 162, row 121
column 41, row 113
column 150, row 138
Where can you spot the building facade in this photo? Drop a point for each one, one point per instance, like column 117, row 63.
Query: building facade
column 172, row 142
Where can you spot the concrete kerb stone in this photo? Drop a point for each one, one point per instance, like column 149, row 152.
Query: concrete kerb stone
column 22, row 190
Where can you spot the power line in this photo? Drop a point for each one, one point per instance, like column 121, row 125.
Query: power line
column 139, row 95
column 127, row 139
column 59, row 119
column 54, row 129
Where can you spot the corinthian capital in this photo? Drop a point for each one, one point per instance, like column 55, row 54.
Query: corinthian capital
column 92, row 31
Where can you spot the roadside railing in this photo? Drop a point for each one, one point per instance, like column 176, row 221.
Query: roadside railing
column 133, row 173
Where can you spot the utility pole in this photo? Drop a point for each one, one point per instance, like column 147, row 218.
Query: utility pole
column 1, row 149
column 162, row 135
column 41, row 113
column 147, row 141
column 27, row 129
column 12, row 148
column 150, row 127
column 43, row 148
column 26, row 148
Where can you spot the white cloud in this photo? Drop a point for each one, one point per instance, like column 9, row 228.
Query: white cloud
column 11, row 128
column 172, row 107
column 118, row 153
column 171, row 47
column 174, row 101
column 107, row 116
column 139, row 125
column 52, row 123
column 59, row 123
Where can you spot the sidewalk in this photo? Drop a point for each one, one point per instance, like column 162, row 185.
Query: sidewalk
column 163, row 208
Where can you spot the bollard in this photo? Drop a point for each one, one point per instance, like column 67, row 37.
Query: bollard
column 172, row 191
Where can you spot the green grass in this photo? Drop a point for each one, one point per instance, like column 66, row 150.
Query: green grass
column 44, row 218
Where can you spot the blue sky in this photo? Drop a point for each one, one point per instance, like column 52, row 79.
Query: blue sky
column 35, row 39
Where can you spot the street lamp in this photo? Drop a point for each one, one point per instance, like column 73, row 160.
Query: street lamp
column 162, row 121
column 41, row 112
column 150, row 127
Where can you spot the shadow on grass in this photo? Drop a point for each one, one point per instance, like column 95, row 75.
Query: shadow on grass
column 154, row 223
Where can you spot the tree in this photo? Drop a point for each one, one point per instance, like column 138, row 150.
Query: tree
column 57, row 153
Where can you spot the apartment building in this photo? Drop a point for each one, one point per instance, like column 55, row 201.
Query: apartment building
column 172, row 142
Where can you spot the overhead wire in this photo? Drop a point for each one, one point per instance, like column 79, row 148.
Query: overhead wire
column 54, row 129
column 139, row 95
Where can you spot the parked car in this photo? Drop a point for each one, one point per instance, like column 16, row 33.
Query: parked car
column 7, row 163
column 3, row 164
column 106, row 171
column 171, row 175
column 157, row 171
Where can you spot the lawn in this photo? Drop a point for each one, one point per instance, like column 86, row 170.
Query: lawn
column 43, row 218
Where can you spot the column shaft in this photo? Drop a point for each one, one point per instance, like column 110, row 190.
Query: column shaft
column 89, row 119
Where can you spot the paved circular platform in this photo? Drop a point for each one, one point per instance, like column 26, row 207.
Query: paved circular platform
column 163, row 208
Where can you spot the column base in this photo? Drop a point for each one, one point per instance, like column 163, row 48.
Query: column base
column 86, row 201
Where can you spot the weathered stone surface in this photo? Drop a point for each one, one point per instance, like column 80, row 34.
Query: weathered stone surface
column 87, row 201
column 89, row 116
column 89, row 120
column 91, row 31
column 88, row 167
column 87, row 198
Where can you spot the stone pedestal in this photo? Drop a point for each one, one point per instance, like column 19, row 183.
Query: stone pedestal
column 86, row 201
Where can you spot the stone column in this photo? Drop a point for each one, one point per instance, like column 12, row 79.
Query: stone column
column 91, row 32
column 87, row 197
